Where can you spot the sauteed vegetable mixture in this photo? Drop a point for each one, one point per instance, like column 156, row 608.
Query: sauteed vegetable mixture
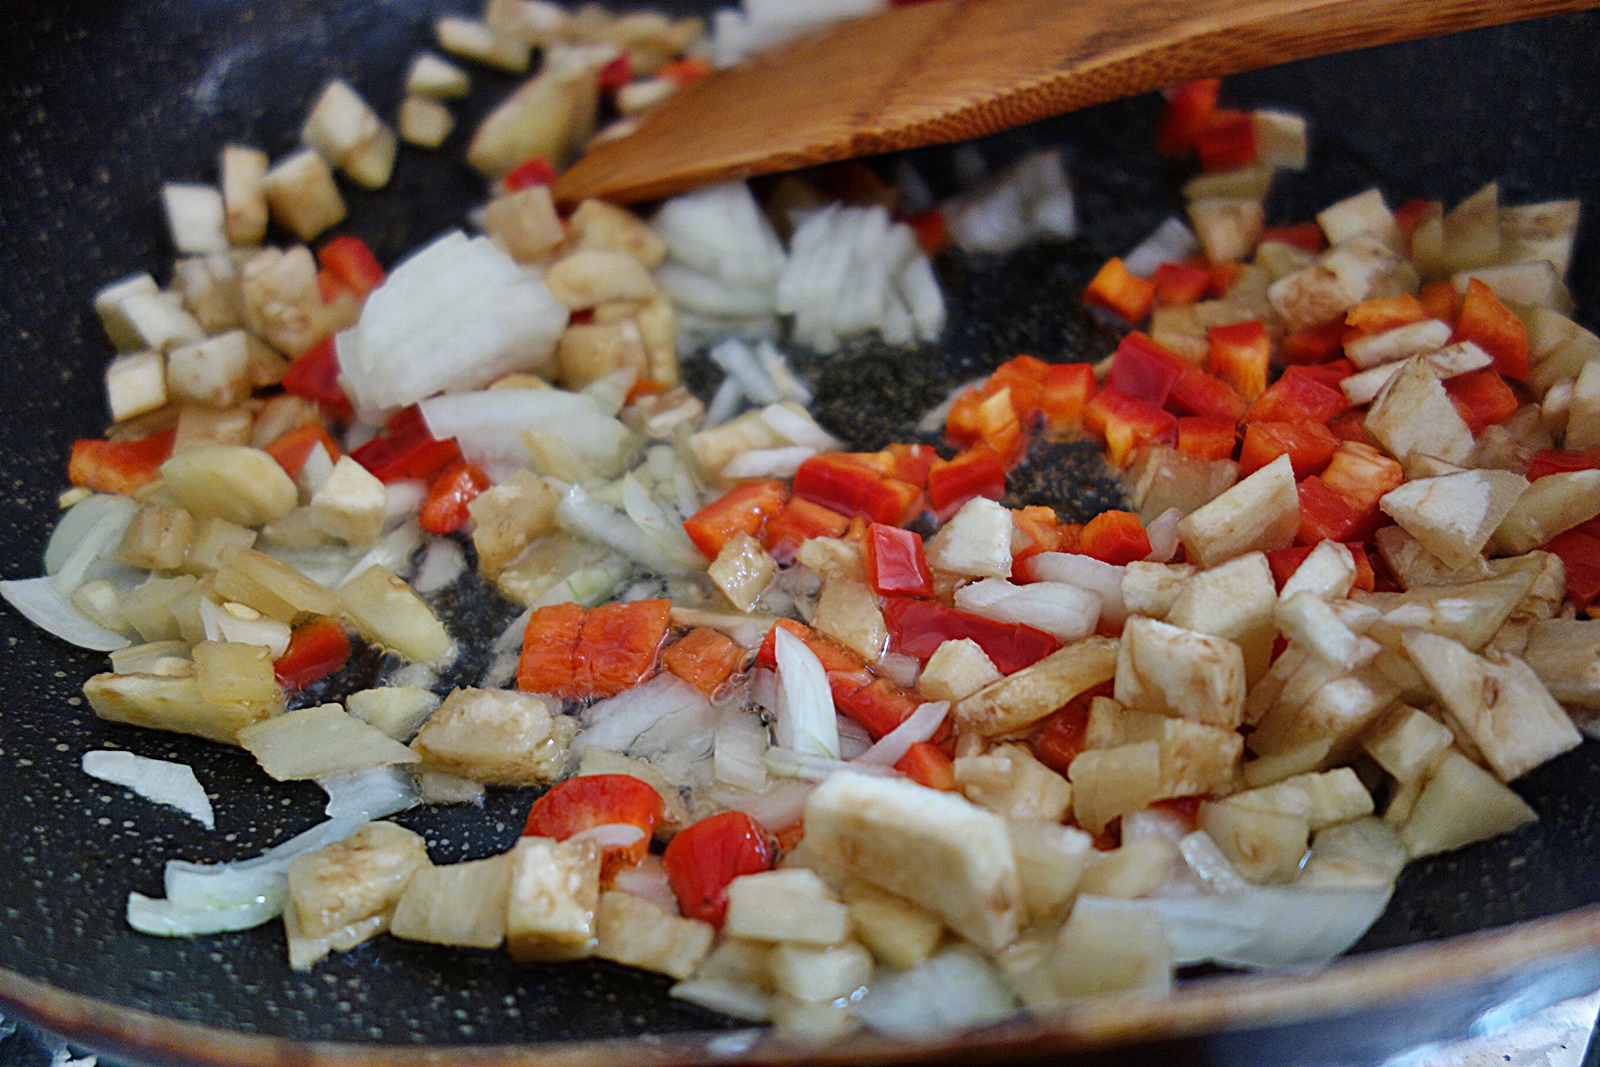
column 833, row 738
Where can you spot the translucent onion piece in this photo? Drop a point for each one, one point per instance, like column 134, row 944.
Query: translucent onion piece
column 610, row 835
column 160, row 781
column 919, row 726
column 581, row 514
column 442, row 563
column 1085, row 572
column 82, row 518
column 806, row 717
column 950, row 991
column 369, row 794
column 1163, row 534
column 43, row 605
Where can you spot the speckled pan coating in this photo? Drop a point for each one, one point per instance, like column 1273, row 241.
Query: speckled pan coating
column 100, row 103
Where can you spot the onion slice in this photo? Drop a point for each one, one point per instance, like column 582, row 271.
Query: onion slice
column 919, row 726
column 161, row 781
column 806, row 716
column 42, row 604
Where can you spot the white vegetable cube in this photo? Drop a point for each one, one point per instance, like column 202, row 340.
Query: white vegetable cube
column 1134, row 870
column 1406, row 742
column 555, row 890
column 976, row 542
column 1050, row 861
column 1322, row 799
column 1109, row 782
column 424, row 122
column 588, row 352
column 268, row 585
column 194, row 217
column 159, row 321
column 1009, row 780
column 349, row 135
column 350, row 503
column 245, row 486
column 1172, row 671
column 174, row 702
column 1234, row 600
column 430, row 76
column 1104, row 951
column 1551, row 505
column 390, row 613
column 1361, row 852
column 496, row 736
column 157, row 539
column 1228, row 226
column 848, row 612
column 302, row 195
column 899, row 933
column 742, row 571
column 398, row 710
column 1308, row 621
column 1454, row 515
column 319, row 741
column 1461, row 803
column 244, row 194
column 135, row 383
column 1583, row 411
column 1412, row 413
column 956, row 670
column 792, row 905
column 215, row 371
column 1258, row 514
column 1329, row 572
column 597, row 224
column 936, row 849
column 1565, row 654
column 108, row 305
column 461, row 904
column 1363, row 213
column 1280, row 138
column 525, row 223
column 472, row 40
column 1151, row 589
column 1022, row 698
column 820, row 972
column 1265, row 846
column 354, row 879
column 637, row 933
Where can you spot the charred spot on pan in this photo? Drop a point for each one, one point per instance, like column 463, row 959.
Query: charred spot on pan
column 876, row 395
column 1069, row 476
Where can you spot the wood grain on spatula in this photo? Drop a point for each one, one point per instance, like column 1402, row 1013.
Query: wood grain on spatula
column 951, row 69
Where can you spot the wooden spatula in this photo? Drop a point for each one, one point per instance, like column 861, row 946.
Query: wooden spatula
column 952, row 69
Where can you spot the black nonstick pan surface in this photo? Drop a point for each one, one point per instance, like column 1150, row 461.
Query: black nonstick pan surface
column 101, row 102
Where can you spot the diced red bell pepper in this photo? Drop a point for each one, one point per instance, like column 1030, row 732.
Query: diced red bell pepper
column 534, row 171
column 1349, row 425
column 331, row 287
column 1062, row 739
column 1223, row 275
column 350, row 261
column 1303, row 235
column 846, row 484
column 1067, row 388
column 1179, row 283
column 1297, row 397
column 1227, row 141
column 963, row 423
column 1409, row 214
column 641, row 388
column 1285, row 561
column 701, row 859
column 119, row 466
column 1240, row 354
column 1125, row 422
column 592, row 800
column 619, row 645
column 999, row 427
column 1189, row 106
column 1208, row 437
column 797, row 522
column 549, row 643
column 834, row 657
column 444, row 511
column 1361, row 474
column 1383, row 313
column 931, row 230
column 926, row 764
column 316, row 649
column 1043, row 531
column 1025, row 377
column 615, row 74
column 1556, row 461
column 314, row 375
column 742, row 509
column 1330, row 373
column 1143, row 369
column 1198, row 393
column 895, row 562
column 1482, row 397
column 1328, row 516
column 292, row 448
column 1308, row 445
column 879, row 705
column 1125, row 295
column 1495, row 328
column 1442, row 300
column 704, row 658
column 912, row 463
column 1580, row 554
column 1115, row 537
column 918, row 627
column 976, row 472
column 685, row 71
column 406, row 450
column 1315, row 344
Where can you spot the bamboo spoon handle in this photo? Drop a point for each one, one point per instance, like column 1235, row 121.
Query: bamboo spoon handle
column 951, row 69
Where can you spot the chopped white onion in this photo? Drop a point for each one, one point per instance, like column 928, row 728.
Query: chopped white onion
column 1163, row 534
column 1067, row 611
column 919, row 726
column 43, row 605
column 787, row 763
column 1085, row 572
column 442, row 564
column 88, row 550
column 623, row 722
column 736, row 756
column 1170, row 242
column 665, row 530
column 779, row 807
column 611, row 834
column 952, row 990
column 585, row 516
column 739, row 361
column 790, row 387
column 798, row 427
column 767, row 462
column 899, row 668
column 223, row 625
column 160, row 781
column 806, row 713
column 369, row 794
column 402, row 500
column 854, row 739
column 489, row 426
column 393, row 552
column 725, row 403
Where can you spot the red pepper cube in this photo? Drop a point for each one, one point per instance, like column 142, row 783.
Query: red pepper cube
column 1062, row 738
column 1227, row 141
column 1067, row 387
column 1187, row 110
column 534, row 171
column 852, row 486
column 615, row 74
column 963, row 423
column 1315, row 344
column 1143, row 369
column 1383, row 313
column 119, row 466
column 1241, row 355
column 834, row 657
column 1180, row 283
column 1125, row 295
column 918, row 627
column 704, row 658
column 701, row 859
column 999, row 426
column 1307, row 236
column 879, row 706
column 444, row 510
column 797, row 522
column 1361, row 474
column 1441, row 300
column 584, row 802
column 1025, row 377
column 976, row 472
column 742, row 509
column 352, row 263
column 1198, row 393
column 407, row 450
column 292, row 448
column 1482, row 397
column 1298, row 396
column 1308, row 445
column 1115, row 537
column 895, row 562
column 1125, row 422
column 549, row 643
column 931, row 230
column 926, row 764
column 1580, row 554
column 1209, row 437
column 316, row 649
column 1495, row 328
column 1556, row 461
column 912, row 463
column 1326, row 515
column 314, row 375
column 619, row 645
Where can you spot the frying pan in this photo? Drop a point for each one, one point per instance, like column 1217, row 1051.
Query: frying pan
column 103, row 101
